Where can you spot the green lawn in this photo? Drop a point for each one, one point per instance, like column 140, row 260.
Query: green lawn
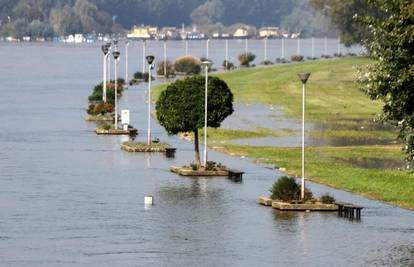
column 331, row 91
column 336, row 104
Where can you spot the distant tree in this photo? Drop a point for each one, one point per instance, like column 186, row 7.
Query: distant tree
column 342, row 15
column 180, row 107
column 309, row 22
column 390, row 77
column 65, row 21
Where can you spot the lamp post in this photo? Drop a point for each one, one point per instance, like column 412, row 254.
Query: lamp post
column 265, row 48
column 246, row 46
column 165, row 57
column 143, row 55
column 116, row 59
column 186, row 47
column 150, row 60
column 283, row 48
column 207, row 48
column 325, row 49
column 105, row 51
column 313, row 48
column 126, row 60
column 304, row 78
column 108, row 64
column 227, row 54
column 206, row 64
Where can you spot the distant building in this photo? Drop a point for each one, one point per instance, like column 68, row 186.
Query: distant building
column 295, row 35
column 269, row 32
column 170, row 33
column 142, row 32
column 241, row 32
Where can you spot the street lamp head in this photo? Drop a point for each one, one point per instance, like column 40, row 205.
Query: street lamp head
column 150, row 59
column 127, row 42
column 304, row 76
column 116, row 54
column 115, row 42
column 206, row 63
column 105, row 49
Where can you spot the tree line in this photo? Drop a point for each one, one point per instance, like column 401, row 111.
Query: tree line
column 46, row 18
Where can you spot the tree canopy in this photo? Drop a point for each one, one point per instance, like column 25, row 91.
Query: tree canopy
column 390, row 77
column 180, row 107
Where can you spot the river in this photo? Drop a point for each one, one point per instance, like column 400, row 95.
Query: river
column 71, row 198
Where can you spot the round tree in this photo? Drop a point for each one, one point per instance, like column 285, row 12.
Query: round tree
column 180, row 107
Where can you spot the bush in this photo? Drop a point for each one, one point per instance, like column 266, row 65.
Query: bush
column 100, row 108
column 327, row 199
column 227, row 65
column 106, row 126
column 281, row 60
column 188, row 65
column 169, row 68
column 246, row 58
column 325, row 56
column 267, row 62
column 285, row 189
column 138, row 75
column 296, row 58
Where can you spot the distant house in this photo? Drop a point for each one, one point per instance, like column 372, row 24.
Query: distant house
column 170, row 33
column 241, row 32
column 216, row 35
column 139, row 33
column 295, row 35
column 195, row 36
column 269, row 32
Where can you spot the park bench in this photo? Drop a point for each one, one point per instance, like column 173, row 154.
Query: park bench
column 348, row 210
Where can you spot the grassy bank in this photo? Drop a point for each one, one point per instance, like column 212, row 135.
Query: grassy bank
column 341, row 112
column 361, row 169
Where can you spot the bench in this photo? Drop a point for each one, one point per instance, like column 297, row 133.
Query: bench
column 235, row 175
column 348, row 210
column 170, row 152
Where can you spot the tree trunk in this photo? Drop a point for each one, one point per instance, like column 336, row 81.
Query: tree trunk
column 196, row 149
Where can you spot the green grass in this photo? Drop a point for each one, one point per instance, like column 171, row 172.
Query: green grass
column 221, row 134
column 331, row 91
column 329, row 165
column 336, row 105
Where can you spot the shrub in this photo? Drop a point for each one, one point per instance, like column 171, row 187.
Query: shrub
column 267, row 62
column 285, row 189
column 169, row 68
column 106, row 126
column 281, row 60
column 211, row 166
column 325, row 56
column 188, row 65
column 227, row 65
column 194, row 167
column 296, row 58
column 138, row 75
column 100, row 108
column 121, row 81
column 246, row 58
column 327, row 199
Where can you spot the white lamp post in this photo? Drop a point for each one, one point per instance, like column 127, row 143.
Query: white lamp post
column 283, row 48
column 304, row 78
column 265, row 48
column 143, row 55
column 186, row 47
column 150, row 60
column 108, row 64
column 325, row 49
column 313, row 48
column 246, row 46
column 165, row 57
column 206, row 65
column 227, row 54
column 116, row 59
column 105, row 51
column 126, row 60
column 207, row 48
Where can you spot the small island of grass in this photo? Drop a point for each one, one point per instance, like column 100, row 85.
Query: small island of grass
column 132, row 146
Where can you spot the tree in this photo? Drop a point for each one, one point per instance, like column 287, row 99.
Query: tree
column 390, row 77
column 342, row 16
column 180, row 107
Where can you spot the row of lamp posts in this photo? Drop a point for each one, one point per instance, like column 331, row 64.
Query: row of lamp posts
column 206, row 64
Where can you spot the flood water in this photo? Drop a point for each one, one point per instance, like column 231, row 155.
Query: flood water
column 71, row 198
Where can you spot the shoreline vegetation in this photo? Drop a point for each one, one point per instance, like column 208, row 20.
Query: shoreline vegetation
column 369, row 162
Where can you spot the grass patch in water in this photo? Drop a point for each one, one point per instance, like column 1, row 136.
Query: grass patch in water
column 331, row 166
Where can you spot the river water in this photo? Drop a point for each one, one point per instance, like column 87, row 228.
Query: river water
column 71, row 198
